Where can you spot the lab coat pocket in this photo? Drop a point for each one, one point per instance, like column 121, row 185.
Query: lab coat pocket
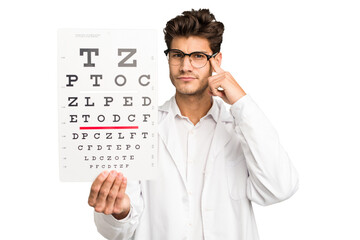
column 237, row 177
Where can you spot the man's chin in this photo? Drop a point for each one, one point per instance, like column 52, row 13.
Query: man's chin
column 191, row 92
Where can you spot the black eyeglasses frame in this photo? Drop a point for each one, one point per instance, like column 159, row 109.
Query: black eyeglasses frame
column 189, row 54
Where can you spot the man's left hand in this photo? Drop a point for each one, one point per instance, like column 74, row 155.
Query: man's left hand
column 230, row 90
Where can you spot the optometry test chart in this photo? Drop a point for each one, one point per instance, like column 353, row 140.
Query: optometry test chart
column 107, row 103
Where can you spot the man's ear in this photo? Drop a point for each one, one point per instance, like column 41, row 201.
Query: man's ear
column 218, row 58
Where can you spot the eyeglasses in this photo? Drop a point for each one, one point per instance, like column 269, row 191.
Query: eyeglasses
column 197, row 59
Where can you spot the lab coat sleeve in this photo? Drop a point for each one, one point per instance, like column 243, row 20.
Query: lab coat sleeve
column 111, row 228
column 272, row 177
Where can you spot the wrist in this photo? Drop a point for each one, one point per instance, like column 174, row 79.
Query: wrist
column 125, row 209
column 120, row 216
column 239, row 96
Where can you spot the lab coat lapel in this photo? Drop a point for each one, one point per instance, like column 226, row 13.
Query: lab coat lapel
column 169, row 135
column 221, row 137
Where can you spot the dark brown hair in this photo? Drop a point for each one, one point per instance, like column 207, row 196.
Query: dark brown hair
column 199, row 23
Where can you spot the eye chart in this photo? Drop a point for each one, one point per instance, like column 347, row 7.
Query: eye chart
column 107, row 100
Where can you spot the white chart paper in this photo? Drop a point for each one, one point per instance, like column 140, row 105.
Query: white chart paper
column 107, row 91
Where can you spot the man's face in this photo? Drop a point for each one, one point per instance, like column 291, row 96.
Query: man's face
column 187, row 79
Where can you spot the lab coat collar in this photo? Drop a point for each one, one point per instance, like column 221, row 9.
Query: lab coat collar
column 168, row 133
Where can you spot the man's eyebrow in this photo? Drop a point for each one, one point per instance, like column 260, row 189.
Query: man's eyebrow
column 196, row 51
column 200, row 51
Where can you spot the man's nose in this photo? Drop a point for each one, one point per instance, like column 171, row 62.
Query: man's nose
column 186, row 64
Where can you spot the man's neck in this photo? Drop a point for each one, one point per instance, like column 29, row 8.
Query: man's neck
column 194, row 106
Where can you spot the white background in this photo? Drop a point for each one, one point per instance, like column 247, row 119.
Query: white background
column 299, row 60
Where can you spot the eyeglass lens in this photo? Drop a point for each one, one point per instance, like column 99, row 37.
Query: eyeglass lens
column 197, row 59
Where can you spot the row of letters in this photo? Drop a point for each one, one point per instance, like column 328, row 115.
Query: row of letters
column 88, row 102
column 109, row 147
column 85, row 118
column 110, row 135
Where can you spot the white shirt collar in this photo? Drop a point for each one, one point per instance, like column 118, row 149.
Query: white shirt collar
column 213, row 111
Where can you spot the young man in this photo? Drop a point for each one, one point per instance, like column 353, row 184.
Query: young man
column 212, row 163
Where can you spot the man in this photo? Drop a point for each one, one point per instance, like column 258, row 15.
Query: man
column 212, row 163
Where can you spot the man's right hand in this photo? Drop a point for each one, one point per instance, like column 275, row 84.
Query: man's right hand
column 108, row 195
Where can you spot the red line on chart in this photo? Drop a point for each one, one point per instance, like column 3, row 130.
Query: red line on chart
column 113, row 127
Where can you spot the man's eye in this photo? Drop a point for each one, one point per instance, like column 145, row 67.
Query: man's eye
column 199, row 56
column 176, row 55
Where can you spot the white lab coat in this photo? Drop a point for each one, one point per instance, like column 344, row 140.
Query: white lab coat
column 246, row 164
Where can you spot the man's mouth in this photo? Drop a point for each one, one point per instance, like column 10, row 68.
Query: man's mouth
column 186, row 78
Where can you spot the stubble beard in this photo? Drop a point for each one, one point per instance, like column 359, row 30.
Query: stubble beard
column 193, row 92
column 199, row 91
